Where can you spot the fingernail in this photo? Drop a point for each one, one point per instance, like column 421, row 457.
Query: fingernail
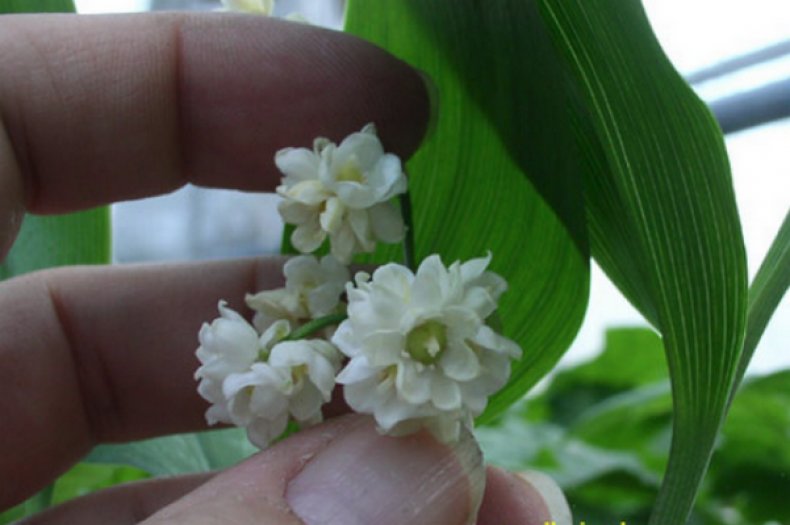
column 553, row 498
column 363, row 477
column 433, row 101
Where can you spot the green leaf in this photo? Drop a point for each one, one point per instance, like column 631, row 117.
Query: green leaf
column 750, row 468
column 44, row 242
column 37, row 6
column 469, row 195
column 518, row 444
column 632, row 357
column 663, row 219
column 766, row 292
column 179, row 454
column 79, row 480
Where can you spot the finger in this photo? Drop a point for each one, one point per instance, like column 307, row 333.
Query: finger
column 122, row 505
column 105, row 354
column 529, row 498
column 342, row 473
column 104, row 108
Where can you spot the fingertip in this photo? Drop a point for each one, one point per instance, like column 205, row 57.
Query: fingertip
column 118, row 107
column 265, row 73
column 552, row 495
column 528, row 498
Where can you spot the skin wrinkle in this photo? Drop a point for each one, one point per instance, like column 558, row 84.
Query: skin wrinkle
column 11, row 191
column 98, row 397
column 20, row 148
column 180, row 129
column 233, row 106
column 163, row 406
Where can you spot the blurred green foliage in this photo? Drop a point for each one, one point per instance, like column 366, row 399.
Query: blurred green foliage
column 602, row 429
column 82, row 479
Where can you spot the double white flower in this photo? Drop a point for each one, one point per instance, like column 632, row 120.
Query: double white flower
column 258, row 381
column 421, row 351
column 312, row 290
column 342, row 192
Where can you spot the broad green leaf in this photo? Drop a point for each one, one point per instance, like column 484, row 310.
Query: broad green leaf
column 36, row 6
column 766, row 292
column 751, row 468
column 44, row 242
column 469, row 195
column 179, row 454
column 663, row 219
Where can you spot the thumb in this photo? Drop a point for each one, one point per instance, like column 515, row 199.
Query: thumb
column 342, row 473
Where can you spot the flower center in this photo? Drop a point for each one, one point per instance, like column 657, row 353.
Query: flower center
column 298, row 372
column 350, row 171
column 426, row 342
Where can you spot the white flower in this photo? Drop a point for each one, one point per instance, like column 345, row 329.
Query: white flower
column 343, row 192
column 228, row 345
column 260, row 382
column 295, row 382
column 261, row 7
column 312, row 290
column 421, row 352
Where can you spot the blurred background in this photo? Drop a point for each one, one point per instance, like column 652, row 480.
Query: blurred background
column 736, row 55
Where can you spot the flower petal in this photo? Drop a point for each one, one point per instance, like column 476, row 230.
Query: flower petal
column 356, row 371
column 413, row 386
column 342, row 244
column 308, row 237
column 392, row 411
column 306, row 404
column 387, row 347
column 294, row 212
column 332, row 217
column 460, row 363
column 308, row 192
column 297, row 164
column 387, row 222
column 445, row 394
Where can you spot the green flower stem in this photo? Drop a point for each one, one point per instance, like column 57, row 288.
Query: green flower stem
column 408, row 240
column 314, row 326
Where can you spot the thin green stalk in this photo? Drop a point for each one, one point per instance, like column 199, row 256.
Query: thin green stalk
column 408, row 240
column 315, row 325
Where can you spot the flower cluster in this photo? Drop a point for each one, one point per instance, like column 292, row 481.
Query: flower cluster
column 414, row 349
column 421, row 353
column 257, row 379
column 342, row 192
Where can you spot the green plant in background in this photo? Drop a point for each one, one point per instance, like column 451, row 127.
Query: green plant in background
column 602, row 429
column 563, row 133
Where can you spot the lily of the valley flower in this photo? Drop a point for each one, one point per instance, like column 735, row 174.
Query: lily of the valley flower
column 421, row 352
column 312, row 290
column 259, row 382
column 342, row 192
column 261, row 7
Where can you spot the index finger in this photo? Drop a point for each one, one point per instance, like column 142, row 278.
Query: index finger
column 104, row 108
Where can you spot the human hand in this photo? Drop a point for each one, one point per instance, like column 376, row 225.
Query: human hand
column 99, row 109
